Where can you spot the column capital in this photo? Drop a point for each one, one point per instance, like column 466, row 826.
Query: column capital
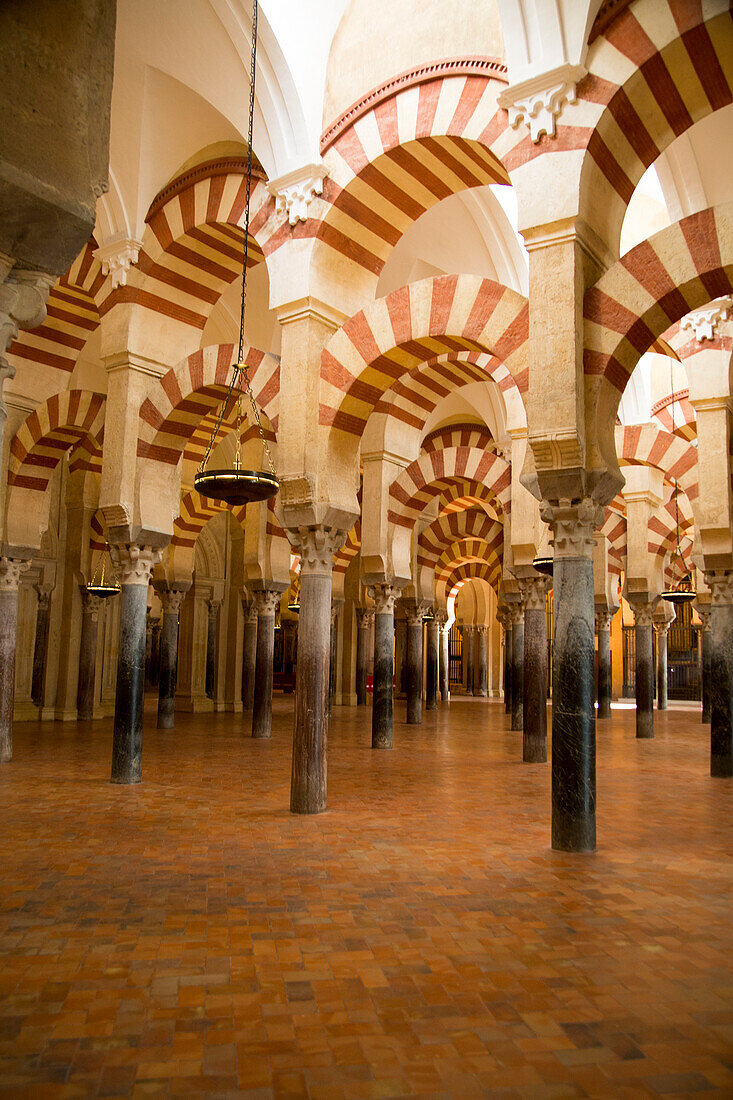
column 482, row 630
column 44, row 598
column 533, row 591
column 516, row 613
column 134, row 564
column 171, row 599
column 643, row 613
column 91, row 604
column 364, row 617
column 267, row 601
column 249, row 610
column 415, row 611
column 214, row 604
column 705, row 613
column 573, row 524
column 11, row 570
column 385, row 596
column 720, row 583
column 604, row 618
column 336, row 606
column 661, row 629
column 316, row 546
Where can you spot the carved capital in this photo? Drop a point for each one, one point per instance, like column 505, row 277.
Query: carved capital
column 720, row 583
column 214, row 605
column 171, row 600
column 336, row 606
column 23, row 297
column 516, row 613
column 316, row 546
column 249, row 609
column 482, row 630
column 295, row 191
column 44, row 598
column 267, row 601
column 11, row 570
column 116, row 256
column 533, row 591
column 661, row 629
column 703, row 322
column 604, row 620
column 91, row 604
column 364, row 617
column 385, row 596
column 134, row 564
column 573, row 524
column 705, row 613
column 643, row 613
column 415, row 611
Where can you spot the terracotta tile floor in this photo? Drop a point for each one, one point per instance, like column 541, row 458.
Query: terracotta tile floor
column 190, row 937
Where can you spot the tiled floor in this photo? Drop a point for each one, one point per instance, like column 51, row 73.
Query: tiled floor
column 189, row 936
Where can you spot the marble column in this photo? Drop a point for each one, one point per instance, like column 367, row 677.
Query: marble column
column 134, row 565
column 705, row 613
column 400, row 657
column 444, row 655
column 643, row 612
column 384, row 596
column 267, row 601
column 414, row 612
column 661, row 630
column 336, row 606
column 308, row 787
column 573, row 691
column 91, row 606
column 508, row 647
column 481, row 667
column 171, row 600
column 431, row 664
column 534, row 672
column 249, row 654
column 40, row 646
column 469, row 650
column 720, row 583
column 364, row 620
column 604, row 691
column 11, row 570
column 517, row 615
column 211, row 632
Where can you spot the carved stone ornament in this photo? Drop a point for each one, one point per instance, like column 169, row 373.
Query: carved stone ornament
column 336, row 606
column 134, row 564
column 117, row 255
column 11, row 570
column 91, row 604
column 533, row 591
column 573, row 524
column 482, row 630
column 295, row 191
column 720, row 583
column 267, row 601
column 705, row 613
column 703, row 322
column 250, row 611
column 516, row 613
column 643, row 613
column 385, row 597
column 23, row 297
column 364, row 617
column 603, row 621
column 441, row 618
column 539, row 101
column 44, row 598
column 316, row 546
column 171, row 600
column 214, row 606
column 661, row 629
column 415, row 612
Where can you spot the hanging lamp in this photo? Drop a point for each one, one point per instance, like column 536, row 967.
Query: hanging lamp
column 102, row 586
column 544, row 566
column 684, row 592
column 294, row 603
column 237, row 486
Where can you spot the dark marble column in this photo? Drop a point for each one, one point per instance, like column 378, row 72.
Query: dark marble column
column 384, row 596
column 705, row 613
column 171, row 600
column 517, row 614
column 720, row 583
column 11, row 570
column 336, row 606
column 249, row 653
column 604, row 691
column 481, row 667
column 573, row 692
column 91, row 606
column 400, row 673
column 267, row 601
column 661, row 630
column 364, row 620
column 534, row 673
column 469, row 652
column 308, row 787
column 134, row 565
column 414, row 612
column 443, row 656
column 211, row 632
column 431, row 664
column 508, row 648
column 644, row 669
column 40, row 646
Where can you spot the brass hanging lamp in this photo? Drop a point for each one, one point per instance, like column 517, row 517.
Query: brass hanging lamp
column 101, row 585
column 684, row 592
column 237, row 486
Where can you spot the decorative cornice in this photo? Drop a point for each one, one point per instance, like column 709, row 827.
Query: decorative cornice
column 221, row 166
column 703, row 322
column 294, row 192
column 453, row 66
column 539, row 101
column 116, row 256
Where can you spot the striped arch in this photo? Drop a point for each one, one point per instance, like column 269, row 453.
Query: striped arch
column 647, row 445
column 458, row 527
column 171, row 413
column 192, row 245
column 460, row 495
column 62, row 423
column 458, row 435
column 461, row 554
column 425, row 135
column 685, row 421
column 343, row 558
column 412, row 326
column 614, row 528
column 195, row 513
column 430, row 474
column 468, row 571
column 657, row 68
column 652, row 286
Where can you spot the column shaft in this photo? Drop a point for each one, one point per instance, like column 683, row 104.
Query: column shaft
column 87, row 657
column 363, row 622
column 382, row 705
column 40, row 648
column 706, row 669
column 127, row 737
column 469, row 651
column 431, row 666
column 444, row 674
column 10, row 570
column 267, row 601
column 662, row 669
column 171, row 600
column 211, row 632
column 413, row 661
column 481, row 667
column 721, row 674
column 517, row 670
column 535, row 685
column 249, row 658
column 308, row 788
column 508, row 648
column 644, row 674
column 604, row 672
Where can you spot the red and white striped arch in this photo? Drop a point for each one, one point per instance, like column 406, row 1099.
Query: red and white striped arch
column 432, row 473
column 172, row 412
column 63, row 422
column 457, row 527
column 417, row 324
column 648, row 445
column 461, row 495
column 343, row 558
column 426, row 135
column 677, row 404
column 653, row 71
column 489, row 572
column 458, row 435
column 195, row 513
